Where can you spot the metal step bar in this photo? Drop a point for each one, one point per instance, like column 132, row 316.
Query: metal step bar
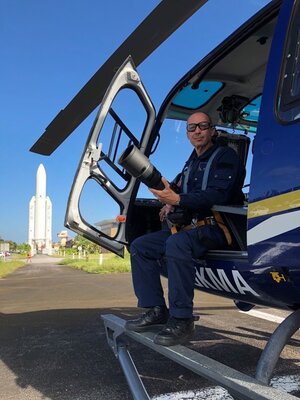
column 239, row 385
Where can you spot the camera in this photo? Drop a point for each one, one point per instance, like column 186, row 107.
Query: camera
column 139, row 166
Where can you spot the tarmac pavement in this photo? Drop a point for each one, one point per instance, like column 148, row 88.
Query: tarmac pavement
column 53, row 345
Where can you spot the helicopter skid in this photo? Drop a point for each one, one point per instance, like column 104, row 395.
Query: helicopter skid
column 238, row 384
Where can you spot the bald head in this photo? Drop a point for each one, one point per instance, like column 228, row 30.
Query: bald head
column 201, row 115
column 200, row 131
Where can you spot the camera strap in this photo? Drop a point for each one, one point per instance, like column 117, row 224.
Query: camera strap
column 186, row 175
column 216, row 214
column 208, row 167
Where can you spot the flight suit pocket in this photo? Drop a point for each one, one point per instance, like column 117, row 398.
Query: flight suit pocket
column 222, row 178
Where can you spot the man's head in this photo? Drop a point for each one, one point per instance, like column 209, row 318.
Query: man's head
column 200, row 131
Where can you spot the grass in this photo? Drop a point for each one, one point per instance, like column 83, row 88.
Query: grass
column 111, row 264
column 7, row 267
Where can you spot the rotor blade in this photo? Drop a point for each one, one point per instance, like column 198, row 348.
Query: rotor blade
column 154, row 30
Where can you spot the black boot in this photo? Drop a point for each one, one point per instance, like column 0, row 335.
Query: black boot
column 176, row 331
column 154, row 316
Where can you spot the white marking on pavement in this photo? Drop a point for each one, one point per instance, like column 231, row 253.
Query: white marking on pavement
column 211, row 393
column 264, row 315
column 287, row 383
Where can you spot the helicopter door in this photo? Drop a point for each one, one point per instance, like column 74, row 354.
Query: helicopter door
column 273, row 214
column 101, row 190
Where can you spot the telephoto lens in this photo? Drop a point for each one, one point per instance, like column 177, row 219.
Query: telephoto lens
column 139, row 166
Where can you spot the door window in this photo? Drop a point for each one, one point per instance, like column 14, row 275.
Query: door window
column 102, row 190
column 124, row 125
column 289, row 89
column 91, row 208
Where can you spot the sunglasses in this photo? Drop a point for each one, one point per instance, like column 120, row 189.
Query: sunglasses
column 203, row 126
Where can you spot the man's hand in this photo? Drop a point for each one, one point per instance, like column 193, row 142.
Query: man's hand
column 165, row 211
column 167, row 195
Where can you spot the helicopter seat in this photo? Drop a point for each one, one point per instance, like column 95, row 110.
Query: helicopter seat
column 239, row 143
column 235, row 218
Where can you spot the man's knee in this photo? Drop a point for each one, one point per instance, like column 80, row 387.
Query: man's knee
column 135, row 245
column 132, row 247
column 177, row 246
column 140, row 246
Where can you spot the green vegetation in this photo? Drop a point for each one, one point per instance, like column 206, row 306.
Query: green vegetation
column 85, row 245
column 13, row 246
column 84, row 255
column 110, row 264
column 90, row 258
column 23, row 248
column 7, row 267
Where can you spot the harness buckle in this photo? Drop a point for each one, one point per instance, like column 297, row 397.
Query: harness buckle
column 210, row 220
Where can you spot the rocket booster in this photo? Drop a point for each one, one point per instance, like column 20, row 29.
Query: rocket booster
column 40, row 204
column 40, row 182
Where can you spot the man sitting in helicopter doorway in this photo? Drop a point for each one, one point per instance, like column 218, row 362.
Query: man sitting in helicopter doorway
column 197, row 230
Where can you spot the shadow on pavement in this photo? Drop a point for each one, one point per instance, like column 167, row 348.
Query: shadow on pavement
column 63, row 354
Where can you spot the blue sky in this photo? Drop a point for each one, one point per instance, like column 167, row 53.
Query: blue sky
column 49, row 50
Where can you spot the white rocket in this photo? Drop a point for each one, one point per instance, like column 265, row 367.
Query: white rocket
column 40, row 217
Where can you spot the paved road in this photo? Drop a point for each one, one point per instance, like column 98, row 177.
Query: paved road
column 52, row 340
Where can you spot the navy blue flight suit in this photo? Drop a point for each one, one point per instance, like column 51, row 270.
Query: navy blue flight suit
column 161, row 251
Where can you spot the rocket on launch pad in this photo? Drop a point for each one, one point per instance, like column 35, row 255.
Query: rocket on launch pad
column 40, row 217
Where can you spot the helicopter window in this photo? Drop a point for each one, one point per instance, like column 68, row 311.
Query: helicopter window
column 289, row 89
column 250, row 112
column 194, row 95
column 172, row 152
column 123, row 126
column 91, row 197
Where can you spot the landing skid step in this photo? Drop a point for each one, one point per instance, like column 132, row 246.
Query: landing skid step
column 239, row 385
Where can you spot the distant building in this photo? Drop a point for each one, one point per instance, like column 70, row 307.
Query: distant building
column 4, row 246
column 40, row 217
column 63, row 236
column 64, row 240
column 69, row 243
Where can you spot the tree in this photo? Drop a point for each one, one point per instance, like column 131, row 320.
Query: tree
column 12, row 245
column 85, row 244
column 23, row 248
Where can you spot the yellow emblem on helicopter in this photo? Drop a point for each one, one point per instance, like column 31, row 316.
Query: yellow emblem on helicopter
column 278, row 277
